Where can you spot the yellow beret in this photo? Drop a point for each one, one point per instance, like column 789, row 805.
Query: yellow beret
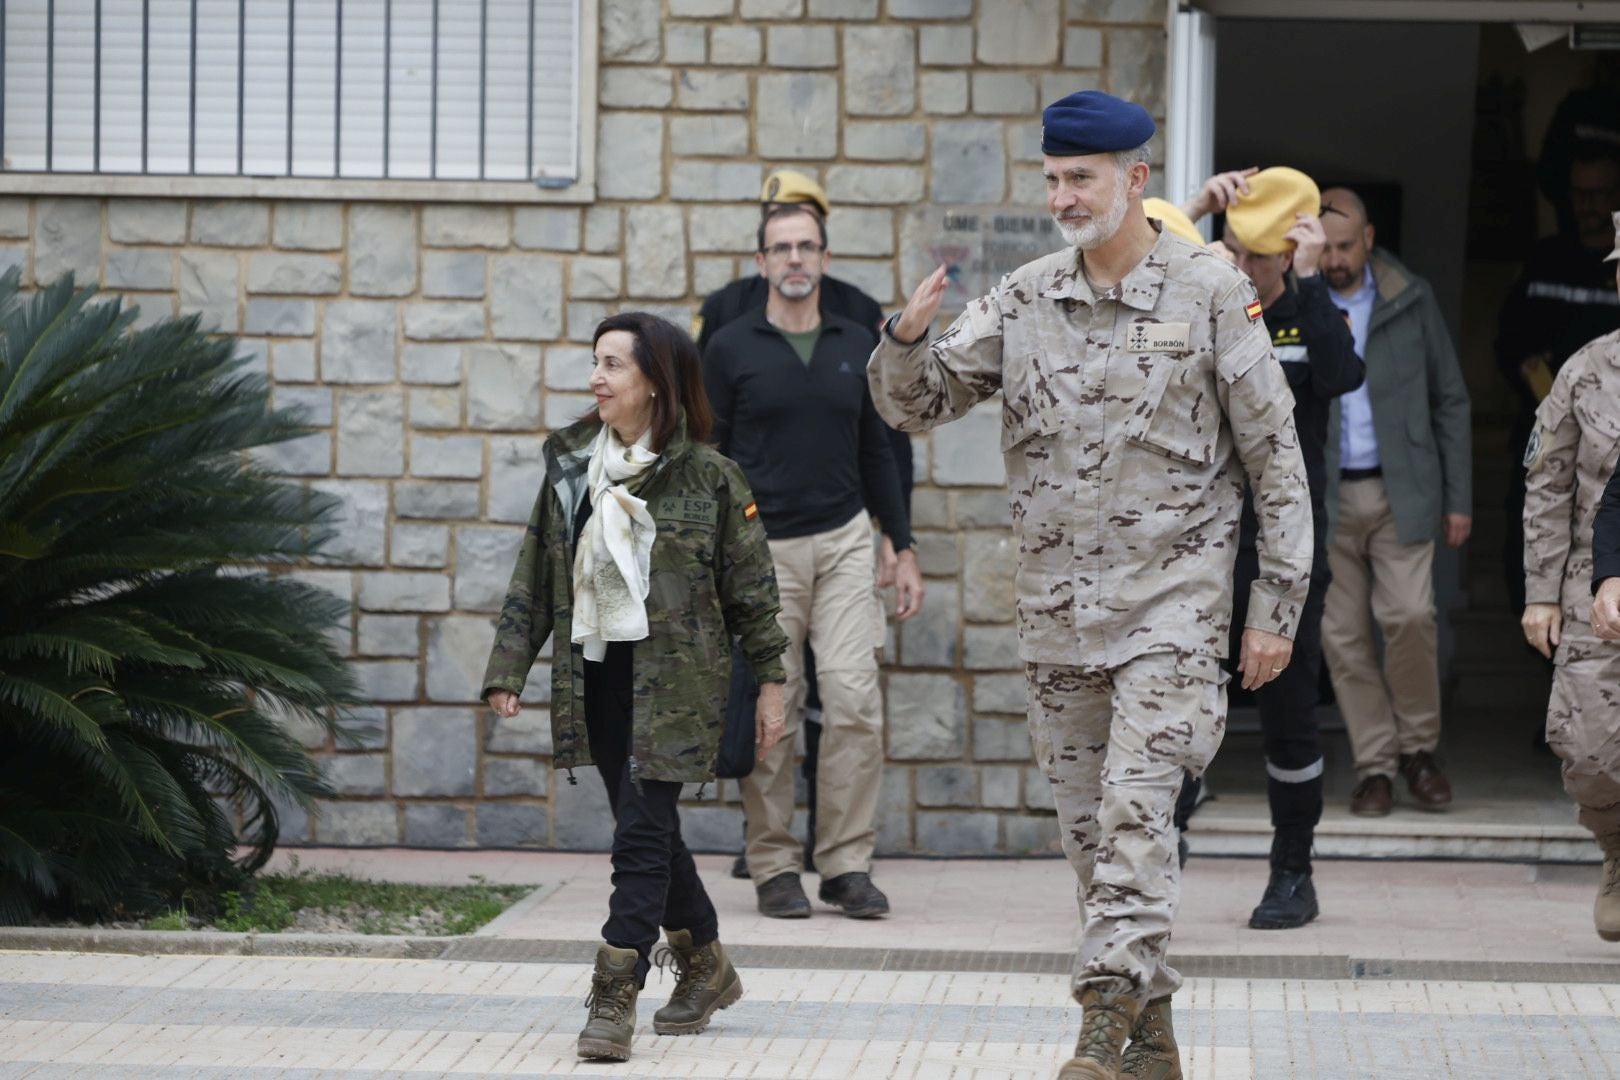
column 791, row 186
column 1174, row 220
column 1261, row 219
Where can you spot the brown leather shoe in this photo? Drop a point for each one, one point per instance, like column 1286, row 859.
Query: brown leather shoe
column 1373, row 797
column 1429, row 788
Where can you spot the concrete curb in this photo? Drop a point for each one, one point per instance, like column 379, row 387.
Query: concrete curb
column 219, row 943
column 472, row 949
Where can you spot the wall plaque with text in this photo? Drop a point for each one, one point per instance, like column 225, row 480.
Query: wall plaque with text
column 977, row 243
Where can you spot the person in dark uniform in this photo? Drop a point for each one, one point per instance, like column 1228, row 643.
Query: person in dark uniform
column 1566, row 295
column 722, row 307
column 1271, row 228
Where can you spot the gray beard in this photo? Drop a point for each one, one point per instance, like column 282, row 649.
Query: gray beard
column 1096, row 231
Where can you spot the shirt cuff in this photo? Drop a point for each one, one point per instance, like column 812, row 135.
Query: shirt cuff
column 888, row 332
column 1543, row 590
column 1274, row 609
column 769, row 672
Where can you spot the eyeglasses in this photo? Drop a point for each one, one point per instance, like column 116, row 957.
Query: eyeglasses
column 806, row 248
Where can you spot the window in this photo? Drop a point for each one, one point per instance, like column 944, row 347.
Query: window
column 369, row 90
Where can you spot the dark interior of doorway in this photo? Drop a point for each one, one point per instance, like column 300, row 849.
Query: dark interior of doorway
column 1441, row 125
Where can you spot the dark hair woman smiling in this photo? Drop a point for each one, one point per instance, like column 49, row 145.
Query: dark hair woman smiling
column 645, row 557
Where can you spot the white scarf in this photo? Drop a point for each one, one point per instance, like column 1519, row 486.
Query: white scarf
column 612, row 568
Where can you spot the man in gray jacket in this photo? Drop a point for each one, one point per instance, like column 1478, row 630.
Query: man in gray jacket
column 1402, row 478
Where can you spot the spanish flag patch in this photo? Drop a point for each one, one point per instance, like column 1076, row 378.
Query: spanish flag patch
column 1252, row 309
column 751, row 511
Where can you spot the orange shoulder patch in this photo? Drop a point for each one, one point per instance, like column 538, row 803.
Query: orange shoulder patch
column 751, row 511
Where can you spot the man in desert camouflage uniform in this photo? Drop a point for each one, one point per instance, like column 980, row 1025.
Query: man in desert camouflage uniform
column 1572, row 454
column 1140, row 393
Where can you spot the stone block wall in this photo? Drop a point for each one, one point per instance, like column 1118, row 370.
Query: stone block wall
column 432, row 345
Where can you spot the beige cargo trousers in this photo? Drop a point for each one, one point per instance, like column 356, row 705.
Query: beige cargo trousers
column 826, row 581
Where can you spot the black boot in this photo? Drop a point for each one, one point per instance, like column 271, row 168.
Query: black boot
column 1290, row 899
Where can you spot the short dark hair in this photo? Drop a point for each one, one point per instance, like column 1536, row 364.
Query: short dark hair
column 668, row 358
column 787, row 210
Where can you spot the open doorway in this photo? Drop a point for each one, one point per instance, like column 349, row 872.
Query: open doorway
column 1440, row 124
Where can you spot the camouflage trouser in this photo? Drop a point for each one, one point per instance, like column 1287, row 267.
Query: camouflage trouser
column 1583, row 725
column 1113, row 744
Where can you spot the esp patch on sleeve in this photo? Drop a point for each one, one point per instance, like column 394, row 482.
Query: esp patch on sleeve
column 688, row 511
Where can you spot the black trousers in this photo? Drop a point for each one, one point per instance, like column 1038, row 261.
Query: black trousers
column 1287, row 707
column 655, row 881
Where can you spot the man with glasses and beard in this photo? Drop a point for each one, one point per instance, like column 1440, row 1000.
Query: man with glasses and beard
column 1139, row 395
column 897, row 558
column 787, row 383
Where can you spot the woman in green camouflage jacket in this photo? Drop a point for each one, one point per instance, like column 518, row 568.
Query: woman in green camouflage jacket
column 644, row 557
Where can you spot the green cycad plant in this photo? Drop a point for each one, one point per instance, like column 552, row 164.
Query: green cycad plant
column 150, row 663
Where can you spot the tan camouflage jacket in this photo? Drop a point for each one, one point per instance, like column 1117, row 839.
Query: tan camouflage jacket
column 712, row 579
column 1572, row 454
column 1129, row 427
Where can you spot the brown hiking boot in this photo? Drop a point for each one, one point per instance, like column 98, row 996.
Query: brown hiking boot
column 1153, row 1054
column 1105, row 1026
column 1606, row 912
column 612, row 1004
column 705, row 983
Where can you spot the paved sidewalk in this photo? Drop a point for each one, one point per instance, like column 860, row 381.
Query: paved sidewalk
column 249, row 1018
column 1417, row 970
column 1409, row 911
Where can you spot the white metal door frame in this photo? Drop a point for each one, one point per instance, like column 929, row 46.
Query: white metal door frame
column 1190, row 141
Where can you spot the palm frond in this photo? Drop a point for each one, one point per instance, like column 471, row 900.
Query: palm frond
column 147, row 684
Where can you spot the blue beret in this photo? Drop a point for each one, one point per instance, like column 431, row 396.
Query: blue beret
column 1092, row 122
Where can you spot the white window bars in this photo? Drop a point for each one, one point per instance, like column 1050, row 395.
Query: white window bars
column 452, row 90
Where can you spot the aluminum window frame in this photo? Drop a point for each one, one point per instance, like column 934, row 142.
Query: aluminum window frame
column 357, row 189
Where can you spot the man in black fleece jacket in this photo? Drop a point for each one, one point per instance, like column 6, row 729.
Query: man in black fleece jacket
column 788, row 386
column 746, row 295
